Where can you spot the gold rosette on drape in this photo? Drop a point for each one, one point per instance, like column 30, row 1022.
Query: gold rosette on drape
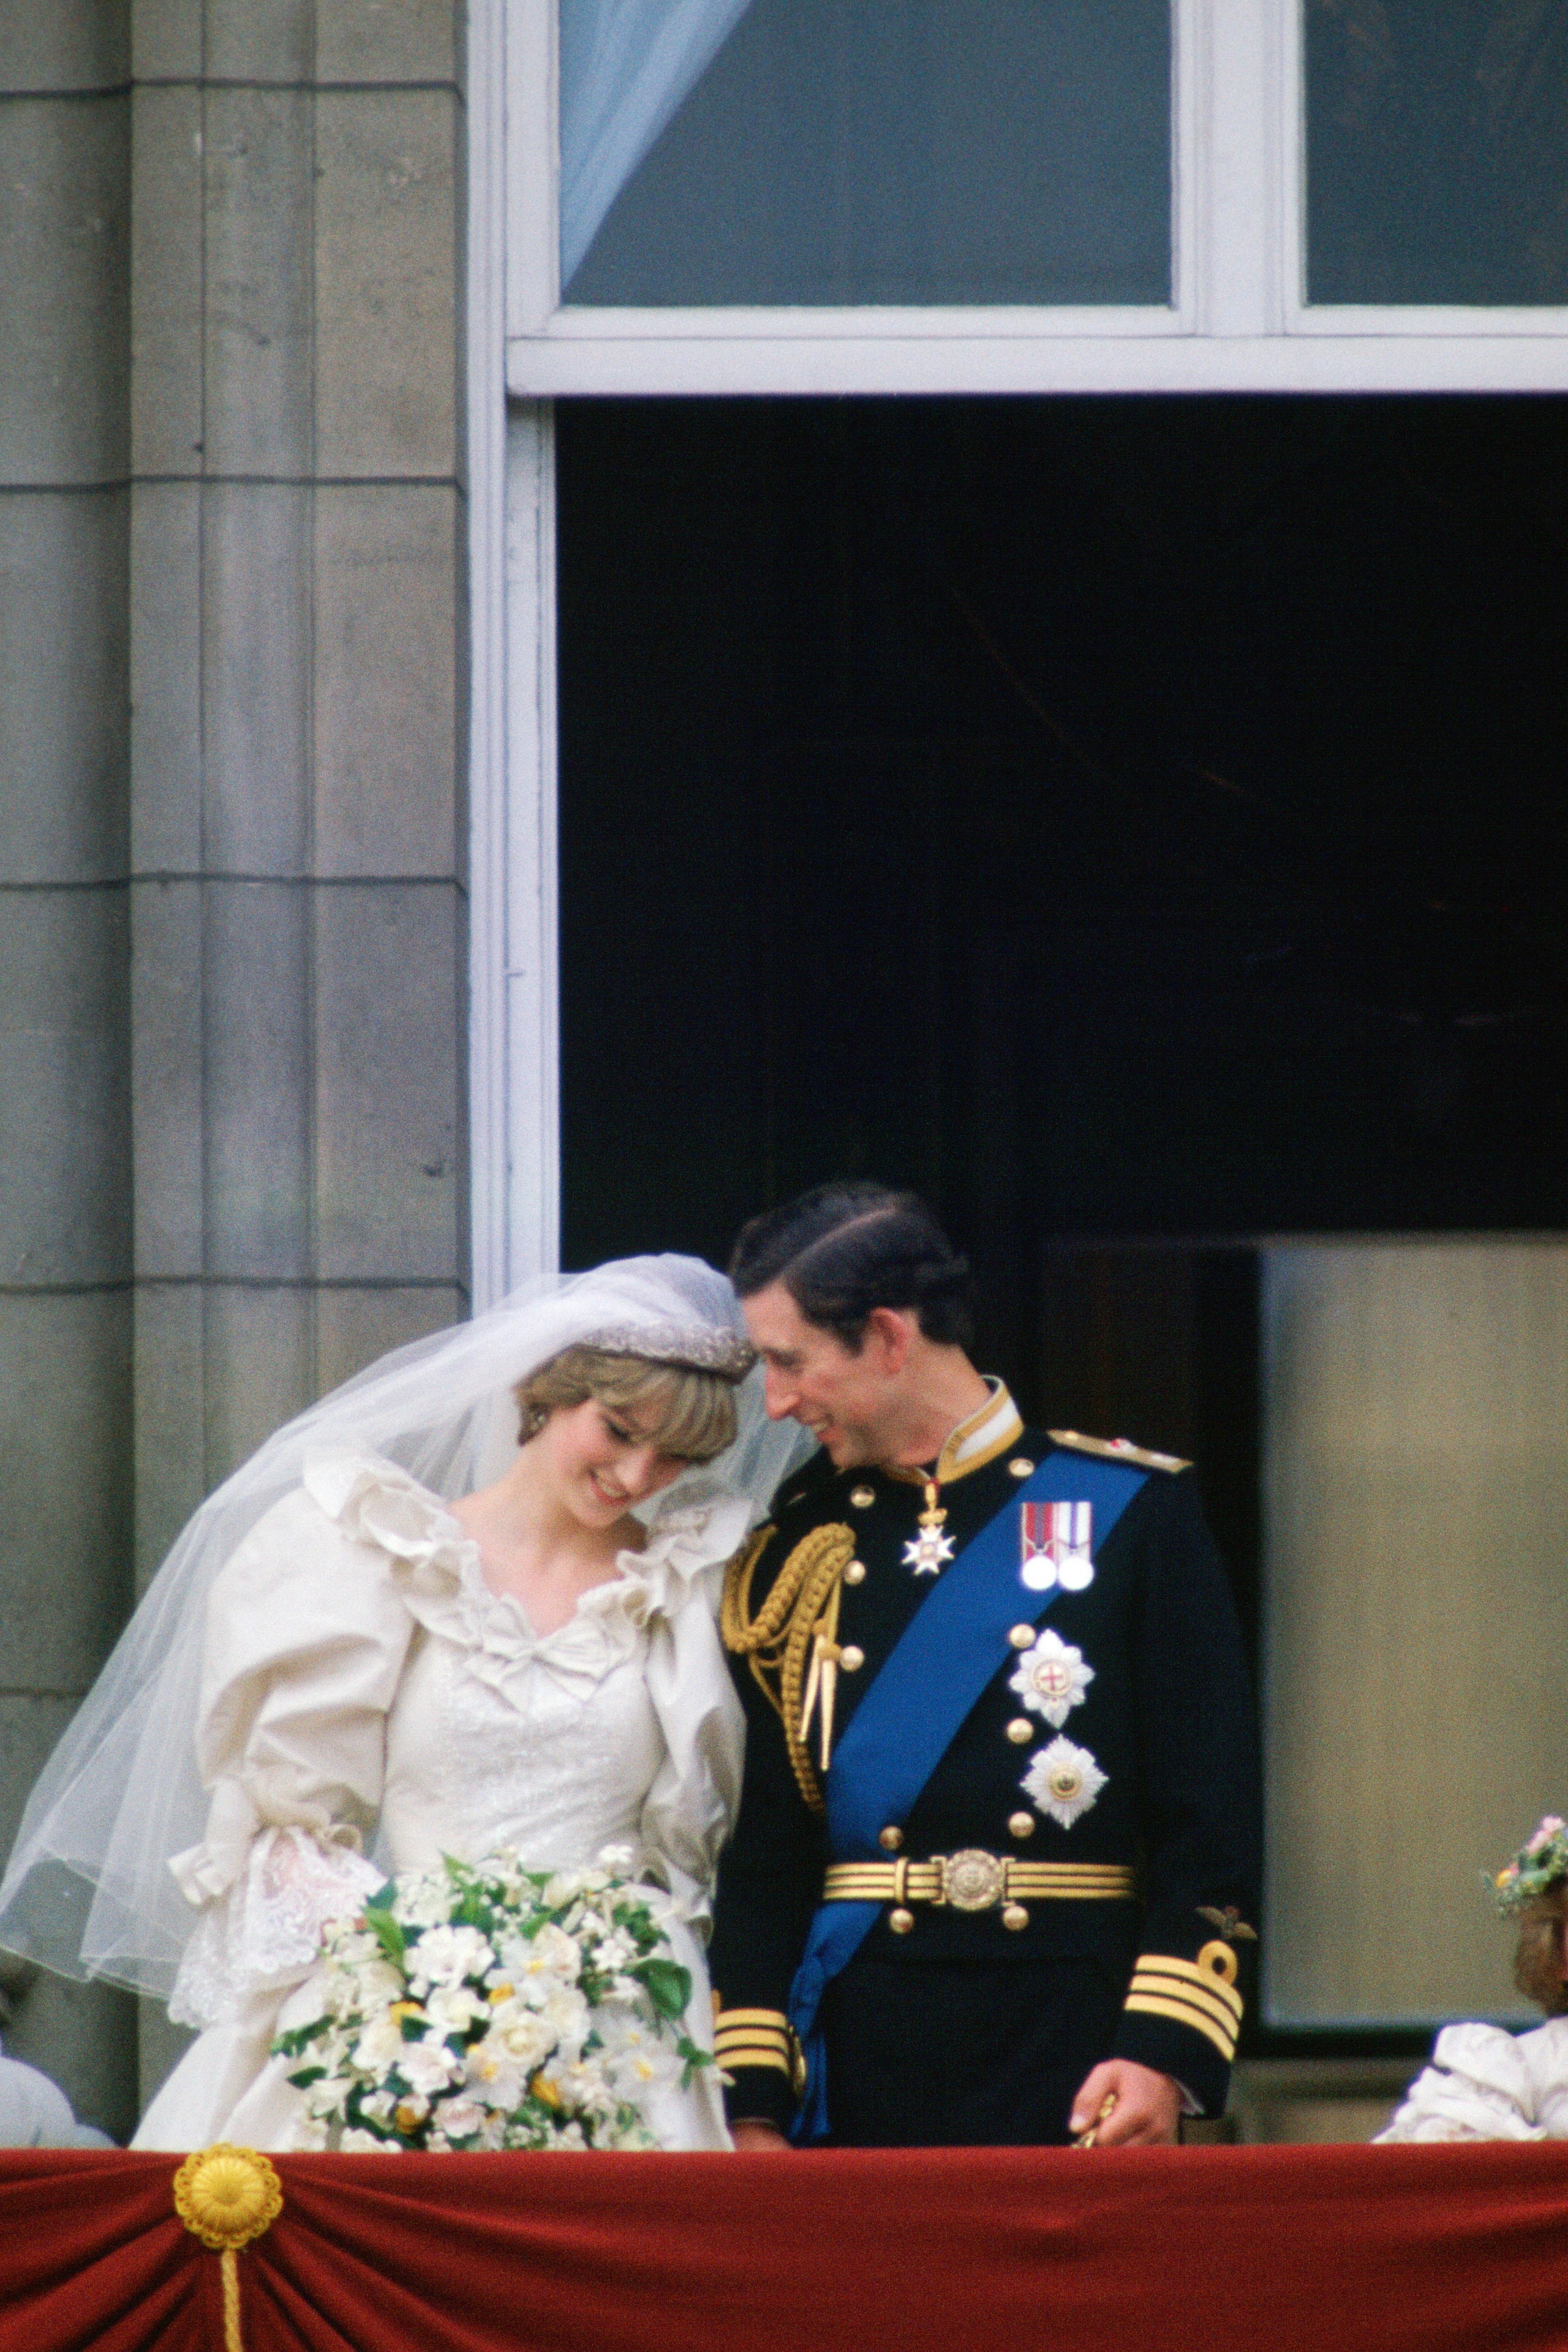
column 226, row 2197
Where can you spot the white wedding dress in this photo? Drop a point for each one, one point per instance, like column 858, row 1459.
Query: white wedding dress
column 363, row 1682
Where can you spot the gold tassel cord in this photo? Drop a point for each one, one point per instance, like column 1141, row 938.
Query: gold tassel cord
column 233, row 2341
column 799, row 1613
column 226, row 2195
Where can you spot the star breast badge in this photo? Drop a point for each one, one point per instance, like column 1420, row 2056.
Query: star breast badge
column 1052, row 1678
column 929, row 1552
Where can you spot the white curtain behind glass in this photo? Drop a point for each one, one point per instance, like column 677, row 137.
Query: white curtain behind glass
column 1417, row 1517
column 625, row 66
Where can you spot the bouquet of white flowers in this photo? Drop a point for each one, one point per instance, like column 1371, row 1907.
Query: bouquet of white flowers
column 494, row 2007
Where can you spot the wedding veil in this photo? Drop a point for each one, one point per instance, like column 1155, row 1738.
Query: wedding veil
column 88, row 1891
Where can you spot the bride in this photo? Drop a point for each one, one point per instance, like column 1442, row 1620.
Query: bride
column 465, row 1602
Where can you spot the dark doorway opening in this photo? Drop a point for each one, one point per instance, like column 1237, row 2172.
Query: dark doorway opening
column 1137, row 823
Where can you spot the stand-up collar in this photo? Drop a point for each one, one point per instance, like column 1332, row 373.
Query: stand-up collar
column 989, row 1430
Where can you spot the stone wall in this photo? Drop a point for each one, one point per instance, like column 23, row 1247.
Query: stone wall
column 232, row 909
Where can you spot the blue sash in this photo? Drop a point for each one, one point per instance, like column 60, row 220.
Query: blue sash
column 947, row 1653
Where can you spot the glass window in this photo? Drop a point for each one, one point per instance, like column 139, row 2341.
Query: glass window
column 833, row 151
column 1415, row 1509
column 1437, row 151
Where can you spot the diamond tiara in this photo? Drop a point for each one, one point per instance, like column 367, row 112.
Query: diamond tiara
column 694, row 1347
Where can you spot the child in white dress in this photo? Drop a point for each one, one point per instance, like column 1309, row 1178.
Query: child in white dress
column 1484, row 2082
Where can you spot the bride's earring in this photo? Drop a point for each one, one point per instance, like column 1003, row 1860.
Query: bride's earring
column 538, row 1414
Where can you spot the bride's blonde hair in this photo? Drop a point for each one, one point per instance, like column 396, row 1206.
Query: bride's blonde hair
column 695, row 1410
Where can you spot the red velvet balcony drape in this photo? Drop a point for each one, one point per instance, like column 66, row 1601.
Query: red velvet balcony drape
column 1233, row 2250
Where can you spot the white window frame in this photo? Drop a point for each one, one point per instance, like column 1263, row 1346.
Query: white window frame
column 1240, row 321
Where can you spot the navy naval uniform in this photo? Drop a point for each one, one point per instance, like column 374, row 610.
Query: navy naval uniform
column 1079, row 1867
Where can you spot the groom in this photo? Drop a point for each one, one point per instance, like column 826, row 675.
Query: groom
column 998, row 1843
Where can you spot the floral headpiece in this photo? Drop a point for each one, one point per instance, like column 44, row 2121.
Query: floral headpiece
column 1541, row 1862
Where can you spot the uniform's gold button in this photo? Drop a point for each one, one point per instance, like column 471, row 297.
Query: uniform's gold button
column 1021, row 1824
column 851, row 1658
column 891, row 1837
column 862, row 1496
column 855, row 1572
column 1020, row 1729
column 1022, row 1637
column 1014, row 1915
column 900, row 1921
column 1021, row 1466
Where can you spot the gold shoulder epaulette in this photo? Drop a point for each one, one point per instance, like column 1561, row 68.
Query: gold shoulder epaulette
column 799, row 1614
column 1117, row 1449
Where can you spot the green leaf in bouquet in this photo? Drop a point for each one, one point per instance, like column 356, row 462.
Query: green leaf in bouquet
column 307, row 2075
column 696, row 2060
column 297, row 2039
column 388, row 1933
column 668, row 1985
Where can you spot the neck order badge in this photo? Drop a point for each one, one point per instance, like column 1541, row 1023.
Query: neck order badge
column 948, row 1652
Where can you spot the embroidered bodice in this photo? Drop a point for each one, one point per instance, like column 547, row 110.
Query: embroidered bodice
column 363, row 1685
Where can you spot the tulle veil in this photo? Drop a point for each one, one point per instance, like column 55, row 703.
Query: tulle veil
column 86, row 1891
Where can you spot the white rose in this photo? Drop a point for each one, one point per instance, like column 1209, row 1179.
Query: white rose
column 447, row 1955
column 426, row 2065
column 379, row 2046
column 453, row 2009
column 461, row 2117
column 525, row 2037
column 363, row 2143
column 554, row 1953
column 377, row 1983
column 567, row 2014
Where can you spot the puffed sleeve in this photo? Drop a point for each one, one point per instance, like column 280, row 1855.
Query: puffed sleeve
column 690, row 1806
column 307, row 1636
column 1477, row 2087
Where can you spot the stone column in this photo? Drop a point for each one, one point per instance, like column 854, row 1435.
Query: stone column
column 237, row 931
column 65, row 1130
column 298, row 962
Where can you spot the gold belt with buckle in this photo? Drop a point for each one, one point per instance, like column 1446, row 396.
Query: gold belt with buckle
column 976, row 1880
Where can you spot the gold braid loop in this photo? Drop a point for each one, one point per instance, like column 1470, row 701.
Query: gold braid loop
column 776, row 1639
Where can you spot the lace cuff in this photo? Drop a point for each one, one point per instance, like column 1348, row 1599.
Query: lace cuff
column 265, row 1934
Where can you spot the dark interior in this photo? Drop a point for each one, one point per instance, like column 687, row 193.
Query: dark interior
column 1137, row 823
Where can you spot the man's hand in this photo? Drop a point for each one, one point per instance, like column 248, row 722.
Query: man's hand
column 1147, row 2111
column 753, row 2138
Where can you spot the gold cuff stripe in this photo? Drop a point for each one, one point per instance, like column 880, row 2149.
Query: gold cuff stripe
column 921, row 1882
column 731, row 2060
column 1187, row 1997
column 762, row 2037
column 774, row 2017
column 1185, row 1974
column 1153, row 2005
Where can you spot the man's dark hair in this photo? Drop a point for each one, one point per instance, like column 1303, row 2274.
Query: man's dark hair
column 843, row 1249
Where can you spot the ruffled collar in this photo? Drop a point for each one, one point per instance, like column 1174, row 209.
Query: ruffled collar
column 435, row 1566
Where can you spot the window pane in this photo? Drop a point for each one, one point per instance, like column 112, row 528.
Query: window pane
column 1437, row 151
column 1416, row 1516
column 931, row 152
